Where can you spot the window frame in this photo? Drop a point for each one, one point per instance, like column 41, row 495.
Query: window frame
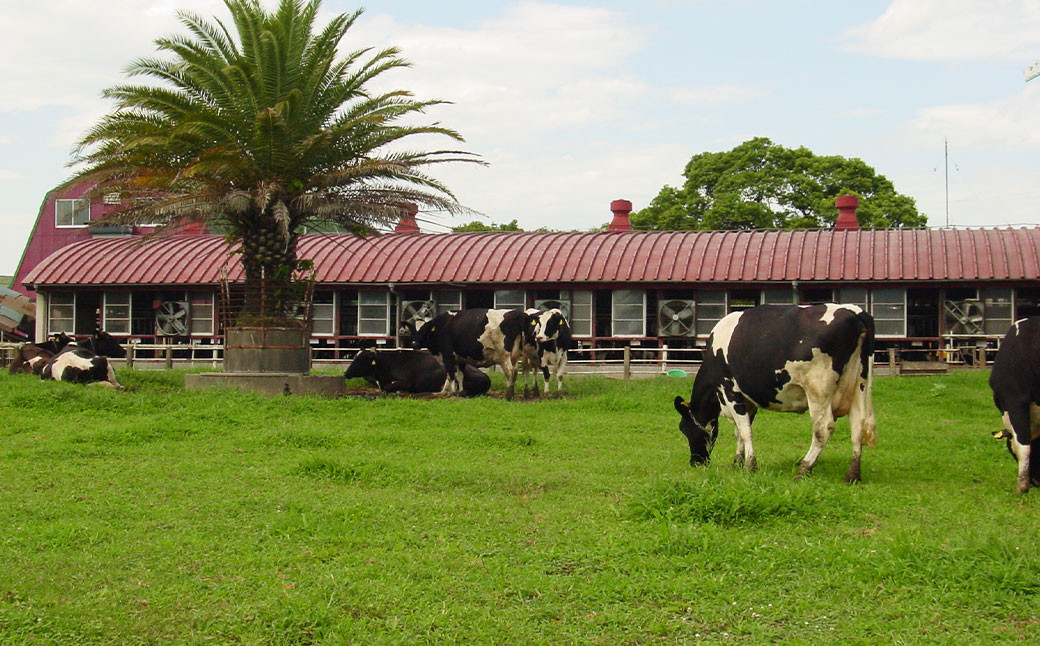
column 50, row 316
column 107, row 321
column 874, row 303
column 333, row 309
column 362, row 320
column 194, row 300
column 73, row 225
column 614, row 320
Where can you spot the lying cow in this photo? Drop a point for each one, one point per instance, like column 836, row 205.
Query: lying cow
column 477, row 337
column 412, row 371
column 31, row 357
column 549, row 354
column 1015, row 381
column 789, row 358
column 81, row 366
column 86, row 361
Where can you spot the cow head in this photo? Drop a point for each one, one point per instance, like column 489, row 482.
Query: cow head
column 700, row 435
column 363, row 365
column 550, row 324
column 425, row 336
column 61, row 340
column 103, row 344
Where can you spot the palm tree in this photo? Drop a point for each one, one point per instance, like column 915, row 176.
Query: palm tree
column 262, row 132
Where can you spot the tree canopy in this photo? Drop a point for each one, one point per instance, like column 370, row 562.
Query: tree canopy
column 262, row 129
column 477, row 226
column 762, row 185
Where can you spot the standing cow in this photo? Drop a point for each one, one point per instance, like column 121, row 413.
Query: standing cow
column 479, row 337
column 412, row 371
column 788, row 358
column 1015, row 381
column 549, row 353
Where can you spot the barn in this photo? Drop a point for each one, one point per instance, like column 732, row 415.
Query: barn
column 936, row 292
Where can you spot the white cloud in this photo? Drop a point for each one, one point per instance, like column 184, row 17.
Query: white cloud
column 10, row 174
column 952, row 30
column 1006, row 122
column 714, row 95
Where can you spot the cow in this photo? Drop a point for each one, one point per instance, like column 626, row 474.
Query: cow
column 86, row 361
column 478, row 337
column 80, row 365
column 412, row 371
column 549, row 354
column 31, row 357
column 789, row 358
column 1015, row 381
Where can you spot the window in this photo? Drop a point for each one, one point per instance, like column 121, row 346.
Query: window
column 778, row 296
column 116, row 313
column 510, row 299
column 627, row 316
column 373, row 313
column 581, row 313
column 888, row 307
column 323, row 314
column 71, row 213
column 743, row 299
column 61, row 313
column 996, row 303
column 112, row 198
column 853, row 296
column 817, row 295
column 448, row 300
column 1027, row 302
column 201, row 313
column 711, row 307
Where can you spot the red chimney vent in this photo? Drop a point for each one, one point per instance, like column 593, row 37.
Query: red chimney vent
column 847, row 220
column 621, row 209
column 407, row 223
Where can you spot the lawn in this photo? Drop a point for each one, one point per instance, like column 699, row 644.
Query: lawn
column 159, row 516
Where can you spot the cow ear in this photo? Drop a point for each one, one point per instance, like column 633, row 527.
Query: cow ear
column 1002, row 434
column 681, row 406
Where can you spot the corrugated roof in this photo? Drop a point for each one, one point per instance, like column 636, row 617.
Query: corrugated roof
column 640, row 257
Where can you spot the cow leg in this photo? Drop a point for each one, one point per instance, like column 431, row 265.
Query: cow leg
column 823, row 425
column 745, row 447
column 450, row 370
column 509, row 370
column 738, row 459
column 858, row 422
column 1018, row 422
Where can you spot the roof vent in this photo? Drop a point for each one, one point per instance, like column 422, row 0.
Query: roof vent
column 407, row 223
column 847, row 220
column 621, row 209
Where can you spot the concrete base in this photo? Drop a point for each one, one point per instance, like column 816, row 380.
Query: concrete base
column 268, row 383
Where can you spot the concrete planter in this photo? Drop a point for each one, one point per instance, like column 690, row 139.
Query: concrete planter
column 267, row 349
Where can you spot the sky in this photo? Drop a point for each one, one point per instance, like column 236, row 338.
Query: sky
column 573, row 104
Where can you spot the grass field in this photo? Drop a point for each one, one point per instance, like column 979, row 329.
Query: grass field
column 159, row 516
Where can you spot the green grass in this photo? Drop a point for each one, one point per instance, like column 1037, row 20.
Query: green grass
column 159, row 516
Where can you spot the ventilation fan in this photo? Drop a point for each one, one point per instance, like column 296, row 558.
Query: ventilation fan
column 677, row 318
column 965, row 317
column 171, row 318
column 415, row 313
column 547, row 304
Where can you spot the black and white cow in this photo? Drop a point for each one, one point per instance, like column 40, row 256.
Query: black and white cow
column 549, row 354
column 86, row 361
column 789, row 358
column 1015, row 381
column 31, row 357
column 479, row 337
column 412, row 371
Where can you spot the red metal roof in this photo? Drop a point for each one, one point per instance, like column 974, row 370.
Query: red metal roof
column 639, row 257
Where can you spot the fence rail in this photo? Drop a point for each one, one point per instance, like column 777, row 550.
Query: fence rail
column 626, row 361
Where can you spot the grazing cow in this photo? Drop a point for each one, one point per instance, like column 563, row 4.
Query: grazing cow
column 549, row 354
column 412, row 371
column 478, row 337
column 1015, row 381
column 789, row 358
column 31, row 357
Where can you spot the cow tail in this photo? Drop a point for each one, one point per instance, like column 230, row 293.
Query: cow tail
column 870, row 436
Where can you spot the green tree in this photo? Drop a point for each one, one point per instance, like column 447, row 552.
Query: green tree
column 261, row 131
column 762, row 185
column 476, row 226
